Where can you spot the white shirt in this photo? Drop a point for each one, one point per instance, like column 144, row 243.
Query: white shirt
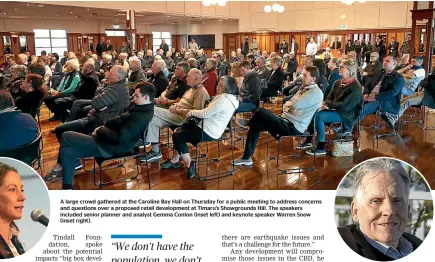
column 48, row 74
column 13, row 232
column 293, row 48
column 311, row 48
column 217, row 114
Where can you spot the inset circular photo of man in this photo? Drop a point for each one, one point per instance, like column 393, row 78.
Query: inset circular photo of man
column 383, row 209
column 24, row 208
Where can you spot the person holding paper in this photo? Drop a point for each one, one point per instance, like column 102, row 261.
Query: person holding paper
column 380, row 210
column 11, row 208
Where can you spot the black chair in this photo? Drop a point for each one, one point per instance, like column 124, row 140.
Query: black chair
column 240, row 128
column 55, row 81
column 297, row 170
column 29, row 153
column 133, row 154
column 216, row 159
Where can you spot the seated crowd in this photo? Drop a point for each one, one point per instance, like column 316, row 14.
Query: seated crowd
column 108, row 103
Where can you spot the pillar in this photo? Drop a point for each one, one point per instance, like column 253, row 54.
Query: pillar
column 131, row 29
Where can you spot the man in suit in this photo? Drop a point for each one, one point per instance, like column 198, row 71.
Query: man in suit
column 380, row 208
column 164, row 47
column 294, row 46
column 275, row 80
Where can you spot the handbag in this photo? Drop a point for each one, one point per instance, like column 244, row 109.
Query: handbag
column 343, row 147
column 191, row 123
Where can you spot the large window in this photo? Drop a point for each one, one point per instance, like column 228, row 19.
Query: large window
column 52, row 41
column 157, row 40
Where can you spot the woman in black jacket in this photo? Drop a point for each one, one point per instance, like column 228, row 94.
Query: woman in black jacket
column 33, row 92
column 11, row 207
column 343, row 104
column 322, row 82
column 380, row 48
column 55, row 65
column 292, row 66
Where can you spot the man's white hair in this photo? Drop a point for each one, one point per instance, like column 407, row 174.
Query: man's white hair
column 377, row 166
column 107, row 56
column 160, row 64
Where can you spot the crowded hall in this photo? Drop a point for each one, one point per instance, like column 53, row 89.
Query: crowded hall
column 230, row 95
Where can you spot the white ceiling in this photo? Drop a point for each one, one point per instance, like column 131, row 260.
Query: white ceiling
column 31, row 10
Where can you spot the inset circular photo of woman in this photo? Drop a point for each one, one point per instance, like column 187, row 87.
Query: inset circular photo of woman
column 24, row 208
column 383, row 209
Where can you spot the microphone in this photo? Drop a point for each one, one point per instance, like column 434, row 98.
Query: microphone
column 37, row 216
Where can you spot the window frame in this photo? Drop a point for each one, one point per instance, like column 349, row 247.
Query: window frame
column 49, row 49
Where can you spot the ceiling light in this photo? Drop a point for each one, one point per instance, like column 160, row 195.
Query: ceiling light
column 351, row 2
column 70, row 12
column 168, row 16
column 87, row 9
column 40, row 5
column 214, row 2
column 277, row 8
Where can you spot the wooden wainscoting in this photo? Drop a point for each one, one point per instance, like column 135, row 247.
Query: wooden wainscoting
column 269, row 41
column 78, row 42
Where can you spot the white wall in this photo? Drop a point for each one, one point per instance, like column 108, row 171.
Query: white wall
column 325, row 15
column 71, row 26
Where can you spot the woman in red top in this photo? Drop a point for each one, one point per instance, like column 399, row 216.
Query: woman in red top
column 210, row 77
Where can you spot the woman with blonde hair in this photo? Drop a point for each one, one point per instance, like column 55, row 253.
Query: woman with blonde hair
column 343, row 105
column 235, row 72
column 11, row 208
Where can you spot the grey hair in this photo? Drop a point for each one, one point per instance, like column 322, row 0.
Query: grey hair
column 213, row 62
column 20, row 69
column 230, row 85
column 185, row 66
column 262, row 59
column 193, row 63
column 134, row 59
column 121, row 72
column 277, row 60
column 107, row 56
column 376, row 166
column 160, row 64
column 198, row 74
column 350, row 63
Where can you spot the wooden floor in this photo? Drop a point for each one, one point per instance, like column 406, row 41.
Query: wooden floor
column 414, row 146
